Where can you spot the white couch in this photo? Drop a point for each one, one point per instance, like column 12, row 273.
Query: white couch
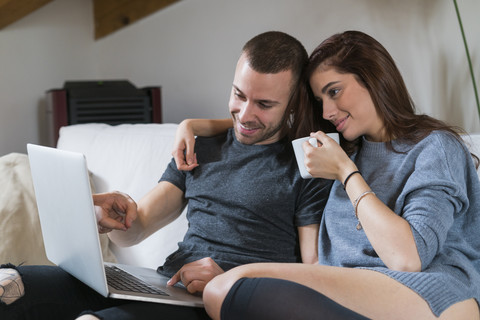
column 128, row 158
column 131, row 159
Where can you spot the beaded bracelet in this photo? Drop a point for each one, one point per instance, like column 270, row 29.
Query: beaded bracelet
column 355, row 206
column 348, row 177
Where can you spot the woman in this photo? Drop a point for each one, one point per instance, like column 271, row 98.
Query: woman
column 398, row 238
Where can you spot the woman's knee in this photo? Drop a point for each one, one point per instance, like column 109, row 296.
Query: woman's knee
column 467, row 309
column 214, row 294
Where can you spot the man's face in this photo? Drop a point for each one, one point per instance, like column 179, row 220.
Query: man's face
column 258, row 103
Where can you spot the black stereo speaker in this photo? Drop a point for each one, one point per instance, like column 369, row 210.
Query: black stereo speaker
column 101, row 101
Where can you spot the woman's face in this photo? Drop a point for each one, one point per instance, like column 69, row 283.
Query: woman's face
column 347, row 104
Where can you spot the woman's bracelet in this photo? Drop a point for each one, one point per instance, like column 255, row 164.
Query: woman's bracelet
column 355, row 205
column 348, row 177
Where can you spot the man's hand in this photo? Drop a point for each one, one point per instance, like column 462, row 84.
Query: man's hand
column 195, row 275
column 114, row 211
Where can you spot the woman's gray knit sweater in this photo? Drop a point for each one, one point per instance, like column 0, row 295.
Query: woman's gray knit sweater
column 435, row 187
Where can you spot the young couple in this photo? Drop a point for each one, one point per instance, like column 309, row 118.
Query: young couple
column 396, row 239
column 398, row 235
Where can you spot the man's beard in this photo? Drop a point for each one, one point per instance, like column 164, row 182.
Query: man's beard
column 247, row 139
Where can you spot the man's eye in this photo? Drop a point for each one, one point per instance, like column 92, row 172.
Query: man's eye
column 264, row 105
column 239, row 96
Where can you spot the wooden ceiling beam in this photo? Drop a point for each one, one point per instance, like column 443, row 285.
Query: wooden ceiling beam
column 13, row 10
column 111, row 15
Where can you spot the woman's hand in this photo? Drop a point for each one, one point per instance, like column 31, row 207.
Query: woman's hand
column 389, row 234
column 183, row 147
column 328, row 160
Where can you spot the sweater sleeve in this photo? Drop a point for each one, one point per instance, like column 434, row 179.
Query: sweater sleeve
column 435, row 193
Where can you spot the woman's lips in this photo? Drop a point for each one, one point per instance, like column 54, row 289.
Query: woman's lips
column 341, row 123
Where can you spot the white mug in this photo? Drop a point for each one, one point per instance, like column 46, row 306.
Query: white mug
column 299, row 154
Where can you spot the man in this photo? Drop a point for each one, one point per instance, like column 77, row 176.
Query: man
column 246, row 200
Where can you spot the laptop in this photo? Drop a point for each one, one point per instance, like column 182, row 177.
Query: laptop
column 70, row 233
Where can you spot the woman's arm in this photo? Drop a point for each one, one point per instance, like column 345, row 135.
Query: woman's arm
column 389, row 234
column 308, row 238
column 184, row 143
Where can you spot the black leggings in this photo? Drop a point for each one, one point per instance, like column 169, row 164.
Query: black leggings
column 266, row 298
column 53, row 294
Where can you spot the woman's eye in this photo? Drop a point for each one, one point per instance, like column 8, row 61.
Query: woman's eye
column 333, row 92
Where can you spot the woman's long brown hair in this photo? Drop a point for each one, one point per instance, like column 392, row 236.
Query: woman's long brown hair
column 359, row 54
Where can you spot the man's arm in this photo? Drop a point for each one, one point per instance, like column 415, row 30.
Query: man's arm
column 308, row 236
column 156, row 209
column 195, row 275
column 114, row 210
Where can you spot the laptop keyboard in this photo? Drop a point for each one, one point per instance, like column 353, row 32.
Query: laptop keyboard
column 121, row 280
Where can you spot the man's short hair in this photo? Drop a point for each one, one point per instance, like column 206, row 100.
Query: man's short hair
column 275, row 51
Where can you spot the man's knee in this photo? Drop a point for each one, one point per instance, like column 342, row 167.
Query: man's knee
column 11, row 284
column 87, row 317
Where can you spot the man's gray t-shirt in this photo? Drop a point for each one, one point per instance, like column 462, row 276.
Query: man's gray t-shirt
column 244, row 203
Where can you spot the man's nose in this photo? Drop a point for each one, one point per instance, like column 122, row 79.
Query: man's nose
column 246, row 113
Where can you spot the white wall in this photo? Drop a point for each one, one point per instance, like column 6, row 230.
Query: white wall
column 38, row 53
column 190, row 49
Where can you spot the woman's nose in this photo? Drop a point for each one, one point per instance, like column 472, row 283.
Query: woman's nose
column 329, row 110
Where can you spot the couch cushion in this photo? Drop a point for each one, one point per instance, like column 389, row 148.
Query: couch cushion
column 21, row 236
column 130, row 158
column 19, row 222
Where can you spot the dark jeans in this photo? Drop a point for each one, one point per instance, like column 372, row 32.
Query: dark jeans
column 265, row 298
column 51, row 293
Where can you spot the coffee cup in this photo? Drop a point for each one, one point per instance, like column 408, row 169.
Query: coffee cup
column 300, row 156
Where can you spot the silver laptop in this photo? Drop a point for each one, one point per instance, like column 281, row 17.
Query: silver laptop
column 70, row 233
